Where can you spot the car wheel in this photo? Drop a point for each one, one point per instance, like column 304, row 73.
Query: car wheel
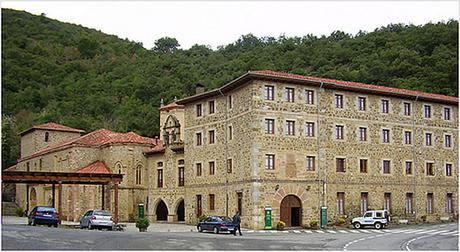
column 33, row 222
column 56, row 225
column 200, row 229
column 216, row 230
column 357, row 225
column 90, row 226
column 378, row 225
column 28, row 222
column 110, row 228
column 49, row 225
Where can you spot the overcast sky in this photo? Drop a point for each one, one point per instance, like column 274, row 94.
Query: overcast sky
column 223, row 22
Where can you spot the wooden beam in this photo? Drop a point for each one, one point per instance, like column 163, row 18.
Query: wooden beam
column 116, row 203
column 60, row 202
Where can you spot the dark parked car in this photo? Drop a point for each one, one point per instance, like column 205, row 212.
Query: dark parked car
column 216, row 224
column 43, row 215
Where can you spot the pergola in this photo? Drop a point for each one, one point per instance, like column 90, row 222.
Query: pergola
column 60, row 178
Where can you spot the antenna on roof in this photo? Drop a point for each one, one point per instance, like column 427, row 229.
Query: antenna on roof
column 175, row 98
column 161, row 102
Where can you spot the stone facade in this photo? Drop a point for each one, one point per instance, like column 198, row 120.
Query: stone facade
column 223, row 133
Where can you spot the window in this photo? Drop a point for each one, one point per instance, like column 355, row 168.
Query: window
column 407, row 137
column 239, row 196
column 429, row 203
column 363, row 165
column 408, row 167
column 199, row 209
column 339, row 132
column 385, row 106
column 269, row 126
column 269, row 92
column 199, row 139
column 362, row 134
column 428, row 139
column 290, row 128
column 181, row 176
column 269, row 161
column 429, row 169
column 406, row 109
column 181, row 162
column 363, row 202
column 40, row 164
column 340, row 203
column 212, row 107
column 160, row 178
column 310, row 129
column 338, row 101
column 427, row 111
column 230, row 102
column 340, row 164
column 447, row 114
column 362, row 103
column 409, row 201
column 449, row 203
column 229, row 165
column 448, row 170
column 212, row 168
column 387, row 201
column 289, row 94
column 212, row 136
column 385, row 136
column 211, row 201
column 386, row 166
column 309, row 96
column 198, row 169
column 199, row 110
column 447, row 143
column 138, row 178
column 230, row 132
column 310, row 163
column 47, row 136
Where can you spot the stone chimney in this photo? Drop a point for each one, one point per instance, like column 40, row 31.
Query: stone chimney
column 199, row 88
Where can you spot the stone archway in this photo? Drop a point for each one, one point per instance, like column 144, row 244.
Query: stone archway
column 291, row 211
column 180, row 211
column 33, row 198
column 161, row 211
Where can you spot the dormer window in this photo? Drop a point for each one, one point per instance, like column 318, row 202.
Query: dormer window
column 47, row 136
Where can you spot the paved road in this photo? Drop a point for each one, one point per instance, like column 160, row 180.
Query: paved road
column 425, row 237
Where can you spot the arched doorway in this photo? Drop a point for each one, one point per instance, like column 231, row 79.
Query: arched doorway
column 162, row 211
column 33, row 198
column 180, row 212
column 291, row 211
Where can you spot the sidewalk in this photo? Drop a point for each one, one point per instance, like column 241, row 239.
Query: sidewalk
column 128, row 226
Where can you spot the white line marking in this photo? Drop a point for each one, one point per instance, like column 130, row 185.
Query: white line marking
column 297, row 231
column 343, row 231
column 261, row 231
column 273, row 231
column 308, row 231
column 319, row 231
column 331, row 231
column 355, row 231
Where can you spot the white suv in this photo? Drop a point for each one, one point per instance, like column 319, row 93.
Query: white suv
column 378, row 219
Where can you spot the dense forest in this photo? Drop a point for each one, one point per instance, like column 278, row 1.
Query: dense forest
column 83, row 78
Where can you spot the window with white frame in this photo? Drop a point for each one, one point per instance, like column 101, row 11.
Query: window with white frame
column 338, row 101
column 385, row 106
column 409, row 202
column 230, row 102
column 363, row 165
column 212, row 168
column 339, row 132
column 408, row 166
column 406, row 109
column 361, row 103
column 428, row 141
column 310, row 163
column 290, row 128
column 309, row 97
column 386, row 166
column 362, row 134
column 448, row 169
column 363, row 202
column 310, row 129
column 269, row 161
column 199, row 139
column 427, row 111
column 269, row 93
column 446, row 114
column 289, row 94
column 407, row 137
column 212, row 136
column 429, row 169
column 387, row 201
column 199, row 110
column 429, row 203
column 269, row 126
column 340, row 164
column 212, row 107
column 385, row 135
column 447, row 142
column 230, row 132
column 340, row 202
column 199, row 169
column 449, row 203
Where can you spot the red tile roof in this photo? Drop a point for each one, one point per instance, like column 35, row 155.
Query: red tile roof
column 159, row 148
column 96, row 167
column 53, row 126
column 170, row 106
column 96, row 139
column 356, row 85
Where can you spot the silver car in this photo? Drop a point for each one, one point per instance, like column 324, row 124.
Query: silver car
column 97, row 219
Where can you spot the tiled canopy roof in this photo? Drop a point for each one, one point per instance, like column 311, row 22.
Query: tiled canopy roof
column 159, row 148
column 99, row 138
column 96, row 167
column 170, row 106
column 53, row 126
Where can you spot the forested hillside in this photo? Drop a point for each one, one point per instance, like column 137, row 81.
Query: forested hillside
column 83, row 78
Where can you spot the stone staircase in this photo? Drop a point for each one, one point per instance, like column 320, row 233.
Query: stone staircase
column 9, row 208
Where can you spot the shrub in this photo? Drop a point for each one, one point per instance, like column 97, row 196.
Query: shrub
column 340, row 221
column 19, row 211
column 280, row 225
column 423, row 217
column 202, row 217
column 313, row 223
column 142, row 223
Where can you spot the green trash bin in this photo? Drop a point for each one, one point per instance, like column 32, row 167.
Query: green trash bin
column 268, row 217
column 323, row 217
column 141, row 210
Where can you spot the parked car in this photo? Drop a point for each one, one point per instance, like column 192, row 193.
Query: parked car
column 43, row 215
column 377, row 218
column 97, row 219
column 216, row 224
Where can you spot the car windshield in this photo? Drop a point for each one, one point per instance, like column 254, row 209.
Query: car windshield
column 224, row 218
column 46, row 209
column 102, row 213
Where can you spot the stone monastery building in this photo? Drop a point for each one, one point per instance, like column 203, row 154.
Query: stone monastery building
column 291, row 142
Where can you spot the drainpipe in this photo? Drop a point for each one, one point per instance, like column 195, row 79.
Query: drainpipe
column 321, row 182
column 226, row 152
column 414, row 155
